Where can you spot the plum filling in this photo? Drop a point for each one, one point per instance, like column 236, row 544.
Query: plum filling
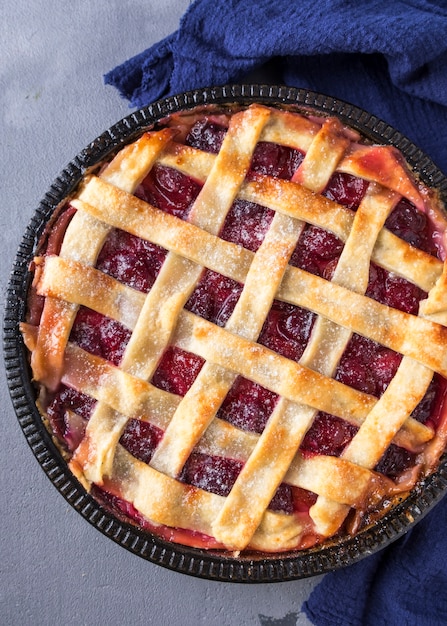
column 100, row 335
column 246, row 224
column 68, row 413
column 131, row 260
column 411, row 226
column 365, row 366
column 214, row 298
column 140, row 439
column 247, row 405
column 346, row 189
column 169, row 190
column 287, row 329
column 177, row 371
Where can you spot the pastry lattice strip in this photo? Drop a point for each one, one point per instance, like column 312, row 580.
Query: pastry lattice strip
column 362, row 315
column 201, row 210
column 73, row 282
column 148, row 403
column 83, row 241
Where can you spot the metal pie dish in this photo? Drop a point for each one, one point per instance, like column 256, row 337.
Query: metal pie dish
column 209, row 564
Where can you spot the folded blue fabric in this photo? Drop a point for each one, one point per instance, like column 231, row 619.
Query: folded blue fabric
column 389, row 58
column 403, row 585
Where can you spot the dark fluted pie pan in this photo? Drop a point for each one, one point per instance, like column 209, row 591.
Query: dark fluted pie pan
column 213, row 565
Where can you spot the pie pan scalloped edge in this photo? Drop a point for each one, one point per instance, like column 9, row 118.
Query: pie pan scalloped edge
column 213, row 565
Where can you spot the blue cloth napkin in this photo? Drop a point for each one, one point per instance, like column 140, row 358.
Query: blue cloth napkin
column 403, row 585
column 389, row 58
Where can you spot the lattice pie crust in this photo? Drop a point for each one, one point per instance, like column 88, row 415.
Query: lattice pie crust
column 157, row 319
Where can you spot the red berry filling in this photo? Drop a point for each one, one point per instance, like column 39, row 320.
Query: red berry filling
column 367, row 366
column 317, row 252
column 429, row 409
column 214, row 474
column 54, row 238
column 412, row 226
column 328, row 435
column 395, row 461
column 68, row 412
column 206, row 135
column 393, row 290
